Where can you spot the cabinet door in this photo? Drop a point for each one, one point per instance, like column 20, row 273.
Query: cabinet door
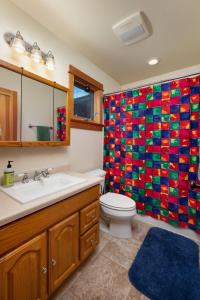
column 63, row 250
column 23, row 272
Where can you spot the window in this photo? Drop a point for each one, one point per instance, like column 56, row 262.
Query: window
column 83, row 102
column 86, row 97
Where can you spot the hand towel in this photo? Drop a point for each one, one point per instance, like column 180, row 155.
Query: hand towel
column 43, row 133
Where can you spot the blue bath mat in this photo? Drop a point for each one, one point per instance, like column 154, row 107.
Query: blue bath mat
column 167, row 267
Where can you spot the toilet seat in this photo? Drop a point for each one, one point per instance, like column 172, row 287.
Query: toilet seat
column 117, row 202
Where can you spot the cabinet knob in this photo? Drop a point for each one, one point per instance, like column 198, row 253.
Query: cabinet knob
column 53, row 262
column 44, row 270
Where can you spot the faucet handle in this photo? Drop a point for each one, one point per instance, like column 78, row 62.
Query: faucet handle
column 46, row 172
column 25, row 178
column 49, row 170
column 37, row 176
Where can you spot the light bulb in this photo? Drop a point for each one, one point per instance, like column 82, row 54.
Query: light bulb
column 50, row 62
column 18, row 43
column 36, row 53
column 153, row 61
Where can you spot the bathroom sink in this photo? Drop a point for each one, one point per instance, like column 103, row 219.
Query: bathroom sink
column 26, row 192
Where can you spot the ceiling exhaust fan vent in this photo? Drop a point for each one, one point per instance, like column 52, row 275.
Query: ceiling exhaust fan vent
column 132, row 29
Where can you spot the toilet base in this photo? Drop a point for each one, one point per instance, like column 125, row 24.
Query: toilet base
column 121, row 229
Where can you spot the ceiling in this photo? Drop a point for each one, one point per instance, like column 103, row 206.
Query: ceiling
column 87, row 26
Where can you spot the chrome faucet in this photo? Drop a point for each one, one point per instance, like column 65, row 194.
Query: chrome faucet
column 25, row 178
column 37, row 176
column 45, row 173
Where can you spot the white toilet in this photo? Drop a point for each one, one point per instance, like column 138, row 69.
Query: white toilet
column 117, row 209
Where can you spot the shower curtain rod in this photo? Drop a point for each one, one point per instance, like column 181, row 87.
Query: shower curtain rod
column 152, row 83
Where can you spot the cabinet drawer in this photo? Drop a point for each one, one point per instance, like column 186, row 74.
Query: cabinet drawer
column 89, row 216
column 89, row 241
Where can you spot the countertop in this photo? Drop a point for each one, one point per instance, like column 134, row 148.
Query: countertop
column 11, row 210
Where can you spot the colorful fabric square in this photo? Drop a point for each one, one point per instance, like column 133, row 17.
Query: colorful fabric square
column 151, row 149
column 61, row 124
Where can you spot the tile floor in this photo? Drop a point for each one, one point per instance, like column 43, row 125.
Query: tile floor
column 104, row 275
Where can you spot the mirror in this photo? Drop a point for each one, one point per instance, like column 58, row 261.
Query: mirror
column 10, row 105
column 37, row 111
column 32, row 109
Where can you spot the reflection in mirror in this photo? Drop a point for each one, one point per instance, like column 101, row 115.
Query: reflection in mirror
column 10, row 105
column 59, row 115
column 37, row 111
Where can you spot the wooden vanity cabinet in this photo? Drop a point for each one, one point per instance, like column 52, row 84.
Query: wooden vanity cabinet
column 53, row 243
column 23, row 272
column 63, row 250
column 89, row 229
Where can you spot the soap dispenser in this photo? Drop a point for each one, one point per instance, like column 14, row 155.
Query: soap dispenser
column 8, row 176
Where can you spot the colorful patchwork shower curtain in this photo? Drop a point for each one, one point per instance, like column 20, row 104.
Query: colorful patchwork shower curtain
column 61, row 123
column 151, row 151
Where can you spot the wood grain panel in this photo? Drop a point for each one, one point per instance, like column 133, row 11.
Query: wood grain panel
column 89, row 241
column 43, row 143
column 31, row 75
column 63, row 250
column 89, row 216
column 79, row 74
column 17, row 232
column 98, row 106
column 8, row 115
column 61, row 87
column 12, row 142
column 71, row 94
column 44, row 80
column 81, row 124
column 21, row 275
column 11, row 67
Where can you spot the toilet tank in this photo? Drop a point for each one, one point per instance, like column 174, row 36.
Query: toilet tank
column 98, row 173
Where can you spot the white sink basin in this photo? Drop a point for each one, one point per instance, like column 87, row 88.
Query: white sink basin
column 26, row 192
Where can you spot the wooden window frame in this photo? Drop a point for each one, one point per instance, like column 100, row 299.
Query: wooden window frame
column 75, row 75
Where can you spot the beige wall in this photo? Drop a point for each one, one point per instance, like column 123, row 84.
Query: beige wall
column 85, row 151
column 167, row 76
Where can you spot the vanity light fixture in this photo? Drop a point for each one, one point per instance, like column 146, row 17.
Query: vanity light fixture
column 50, row 61
column 18, row 43
column 36, row 53
column 153, row 61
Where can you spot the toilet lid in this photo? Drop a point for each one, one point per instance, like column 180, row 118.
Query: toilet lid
column 117, row 201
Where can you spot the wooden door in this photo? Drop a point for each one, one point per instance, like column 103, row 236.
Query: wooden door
column 8, row 115
column 63, row 250
column 23, row 272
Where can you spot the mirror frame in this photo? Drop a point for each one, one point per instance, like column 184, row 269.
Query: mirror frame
column 53, row 84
